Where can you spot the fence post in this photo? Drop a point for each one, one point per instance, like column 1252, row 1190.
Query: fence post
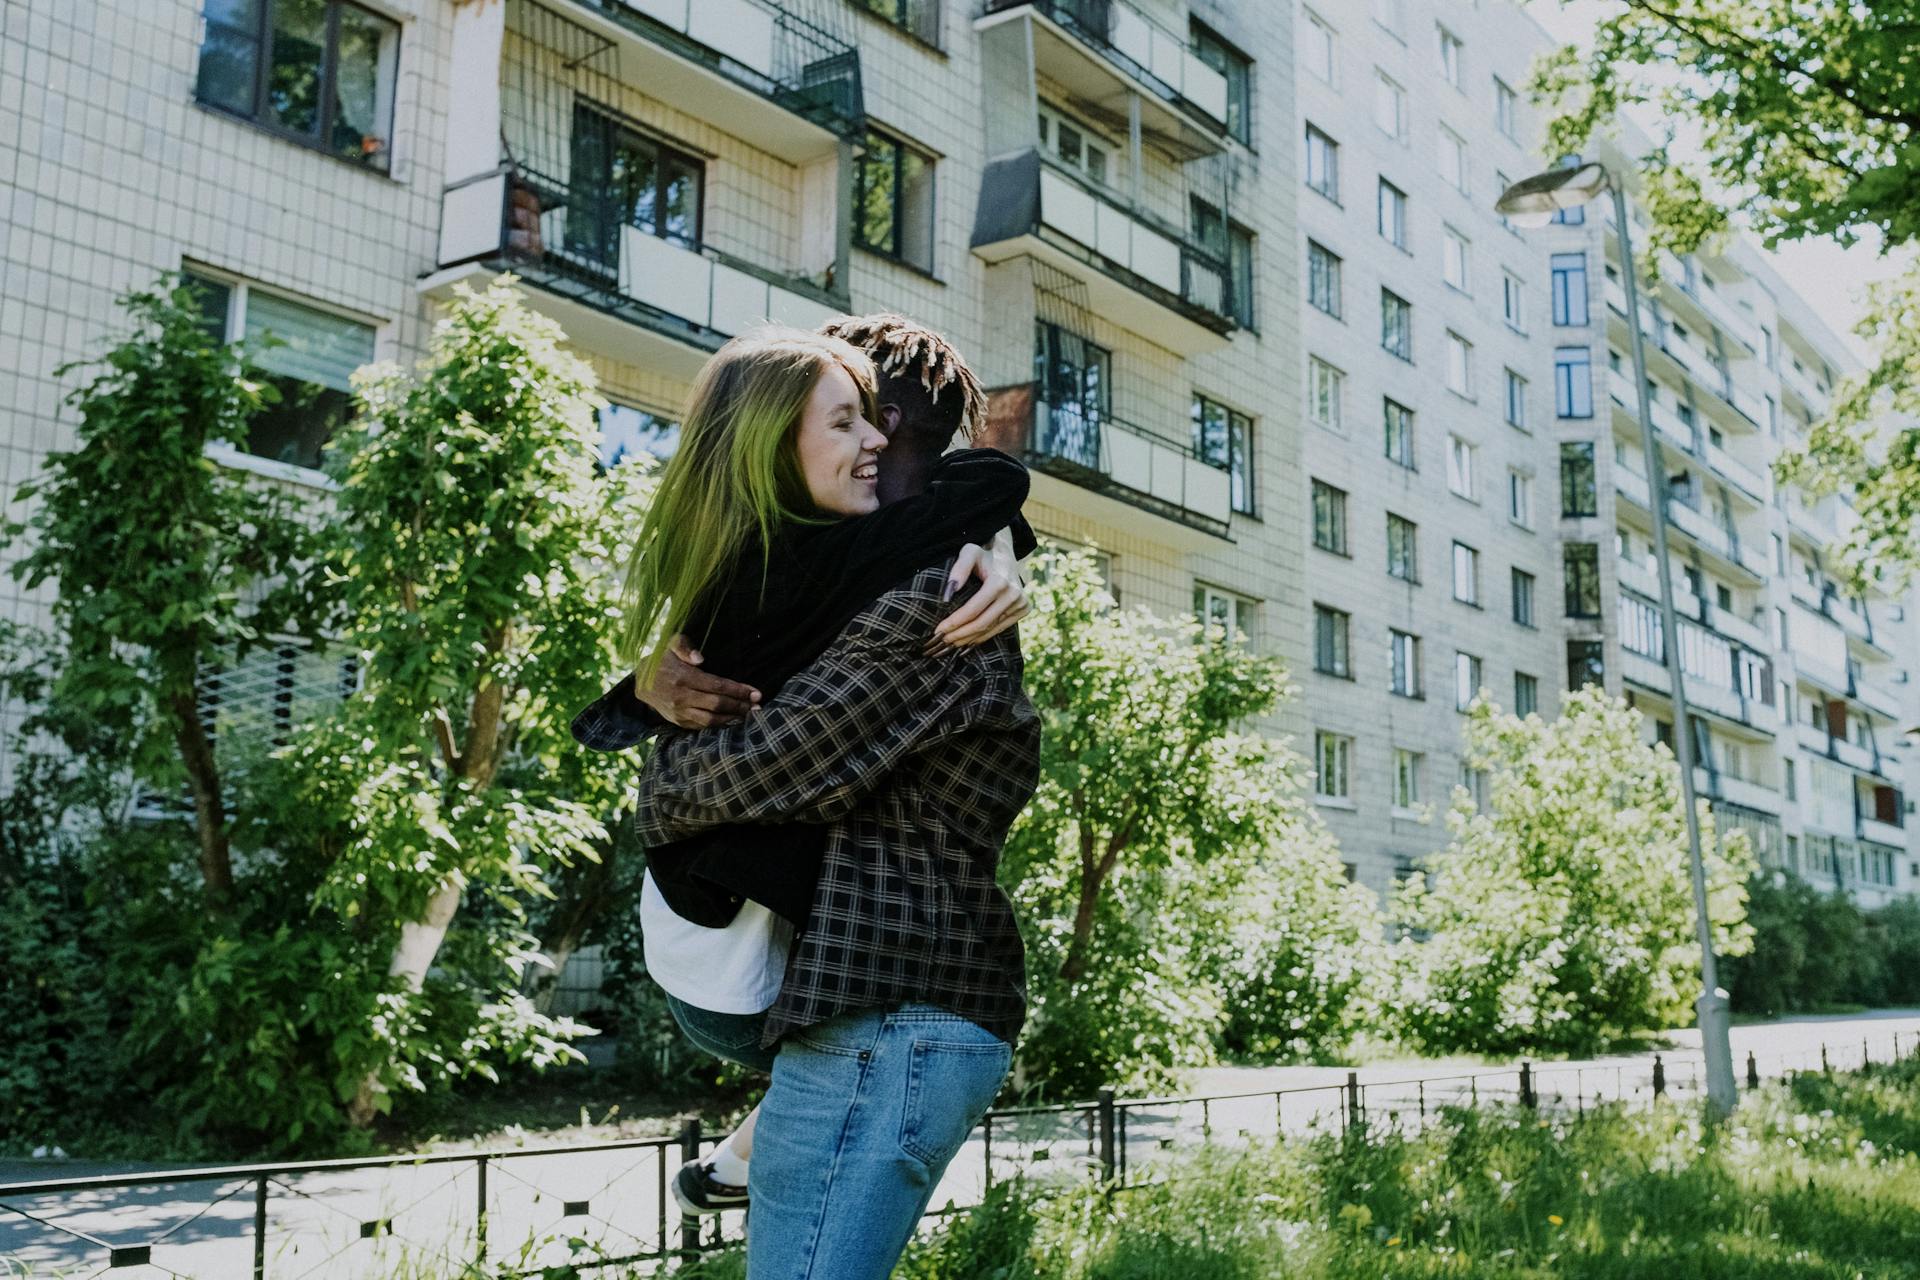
column 480, row 1209
column 1353, row 1098
column 1753, row 1071
column 986, row 1141
column 1527, row 1097
column 1106, row 1135
column 1659, row 1076
column 1865, row 1060
column 260, row 1228
column 1824, row 1068
column 690, row 1150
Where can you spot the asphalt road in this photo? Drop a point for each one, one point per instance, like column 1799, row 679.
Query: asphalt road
column 356, row 1224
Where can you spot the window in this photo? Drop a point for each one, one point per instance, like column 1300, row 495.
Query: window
column 1459, row 365
column 308, row 355
column 1581, row 561
column 1579, row 491
column 1389, row 107
column 1573, row 382
column 1453, row 159
column 1506, row 109
column 1474, row 782
column 1238, row 69
column 626, row 432
column 1454, row 259
column 1323, row 279
column 1460, row 459
column 1331, row 632
column 1523, row 597
column 1403, row 551
column 1389, row 14
column 1404, row 677
column 1516, row 400
column 319, row 72
column 1500, row 183
column 622, row 178
column 1570, row 288
column 1075, row 378
column 1399, row 421
column 1393, row 214
column 1329, row 518
column 1466, row 680
column 1526, row 693
column 1326, row 389
column 1520, row 498
column 1466, row 574
column 1319, row 45
column 1406, row 778
column 1224, row 438
column 1240, row 275
column 1396, row 324
column 1586, row 663
column 1323, row 164
column 1332, row 753
column 919, row 18
column 1450, row 49
column 1232, row 614
column 893, row 197
column 1512, row 302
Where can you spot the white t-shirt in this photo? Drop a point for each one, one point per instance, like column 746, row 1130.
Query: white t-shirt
column 737, row 969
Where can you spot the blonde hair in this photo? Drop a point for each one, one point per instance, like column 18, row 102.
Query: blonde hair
column 735, row 473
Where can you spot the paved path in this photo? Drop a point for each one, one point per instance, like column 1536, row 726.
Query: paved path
column 355, row 1224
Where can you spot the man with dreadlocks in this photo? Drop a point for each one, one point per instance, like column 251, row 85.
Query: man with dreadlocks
column 851, row 885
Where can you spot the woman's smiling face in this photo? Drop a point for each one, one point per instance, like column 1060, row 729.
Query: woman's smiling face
column 838, row 447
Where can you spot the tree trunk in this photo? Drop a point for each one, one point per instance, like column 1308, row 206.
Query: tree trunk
column 587, row 893
column 209, row 808
column 412, row 957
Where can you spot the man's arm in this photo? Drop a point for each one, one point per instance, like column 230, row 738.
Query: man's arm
column 835, row 732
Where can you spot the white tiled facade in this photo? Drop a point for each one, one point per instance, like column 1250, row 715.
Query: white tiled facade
column 114, row 171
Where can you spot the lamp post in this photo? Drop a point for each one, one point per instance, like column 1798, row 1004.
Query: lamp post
column 1532, row 202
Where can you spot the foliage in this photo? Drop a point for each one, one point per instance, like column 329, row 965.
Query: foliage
column 1562, row 917
column 1158, row 826
column 1813, row 950
column 159, row 554
column 465, row 567
column 1801, row 115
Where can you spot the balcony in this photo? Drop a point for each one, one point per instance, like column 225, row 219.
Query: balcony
column 1883, row 833
column 1650, row 674
column 1805, row 389
column 1715, row 540
column 1748, row 795
column 1139, row 272
column 1854, row 755
column 1103, row 54
column 1811, row 521
column 1742, row 477
column 1811, row 737
column 1829, row 679
column 1745, row 630
column 758, row 69
column 1877, row 698
column 1106, row 469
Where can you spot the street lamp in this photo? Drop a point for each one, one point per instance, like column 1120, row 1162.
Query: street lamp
column 1533, row 202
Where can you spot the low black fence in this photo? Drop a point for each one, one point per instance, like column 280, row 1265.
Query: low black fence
column 506, row 1214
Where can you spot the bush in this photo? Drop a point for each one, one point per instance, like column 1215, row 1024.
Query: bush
column 1816, row 950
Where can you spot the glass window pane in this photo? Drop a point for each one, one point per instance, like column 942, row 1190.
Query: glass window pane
column 295, row 66
column 369, row 50
column 878, row 171
column 916, row 208
column 303, row 343
column 230, row 55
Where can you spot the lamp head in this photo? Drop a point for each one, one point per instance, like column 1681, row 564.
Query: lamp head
column 1532, row 202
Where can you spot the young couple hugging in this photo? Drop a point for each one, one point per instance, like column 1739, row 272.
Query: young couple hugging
column 841, row 742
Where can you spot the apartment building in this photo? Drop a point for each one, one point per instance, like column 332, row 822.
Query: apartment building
column 1428, row 444
column 1479, row 514
column 1092, row 197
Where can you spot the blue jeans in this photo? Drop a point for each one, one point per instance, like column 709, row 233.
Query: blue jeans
column 862, row 1118
column 734, row 1037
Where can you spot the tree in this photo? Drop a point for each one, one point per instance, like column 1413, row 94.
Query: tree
column 1803, row 114
column 467, row 566
column 161, row 557
column 1152, row 806
column 1562, row 918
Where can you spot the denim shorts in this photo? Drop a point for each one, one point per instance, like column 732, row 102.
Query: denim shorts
column 733, row 1037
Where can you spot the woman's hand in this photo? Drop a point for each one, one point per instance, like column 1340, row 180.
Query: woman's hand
column 689, row 698
column 1000, row 602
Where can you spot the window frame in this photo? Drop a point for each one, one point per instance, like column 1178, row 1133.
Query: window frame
column 1405, row 678
column 1392, row 303
column 1580, row 568
column 1329, row 150
column 1470, row 565
column 1506, row 109
column 1521, row 590
column 1563, row 269
column 1215, row 51
column 1454, row 145
column 1460, row 361
column 1400, row 207
column 1397, row 94
column 1469, row 677
column 1342, row 749
column 1239, row 462
column 1336, row 541
column 1455, row 248
column 894, row 253
column 1514, row 410
column 1406, row 779
column 1579, row 479
column 1532, row 698
column 1520, row 498
column 1323, row 269
column 1392, row 411
column 1573, row 383
column 1335, row 657
column 1462, row 463
column 1403, row 535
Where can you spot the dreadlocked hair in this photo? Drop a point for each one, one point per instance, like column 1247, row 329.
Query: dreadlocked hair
column 916, row 365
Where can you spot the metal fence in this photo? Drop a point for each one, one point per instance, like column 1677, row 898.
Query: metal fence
column 504, row 1214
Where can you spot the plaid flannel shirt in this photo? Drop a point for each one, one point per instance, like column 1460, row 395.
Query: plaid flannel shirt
column 919, row 766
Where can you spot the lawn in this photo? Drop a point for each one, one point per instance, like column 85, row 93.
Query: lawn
column 1818, row 1179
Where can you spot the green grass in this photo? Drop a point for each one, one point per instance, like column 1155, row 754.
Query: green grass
column 1818, row 1180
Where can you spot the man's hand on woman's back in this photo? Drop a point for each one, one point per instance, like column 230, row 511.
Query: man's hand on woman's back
column 689, row 698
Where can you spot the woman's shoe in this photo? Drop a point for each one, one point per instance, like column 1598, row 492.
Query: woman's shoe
column 699, row 1192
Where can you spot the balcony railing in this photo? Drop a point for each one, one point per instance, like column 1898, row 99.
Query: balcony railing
column 1160, row 61
column 1743, row 477
column 1142, row 273
column 768, row 48
column 1108, row 456
column 1804, row 387
column 1887, row 833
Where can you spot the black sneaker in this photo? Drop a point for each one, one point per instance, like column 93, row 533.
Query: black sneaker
column 699, row 1192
